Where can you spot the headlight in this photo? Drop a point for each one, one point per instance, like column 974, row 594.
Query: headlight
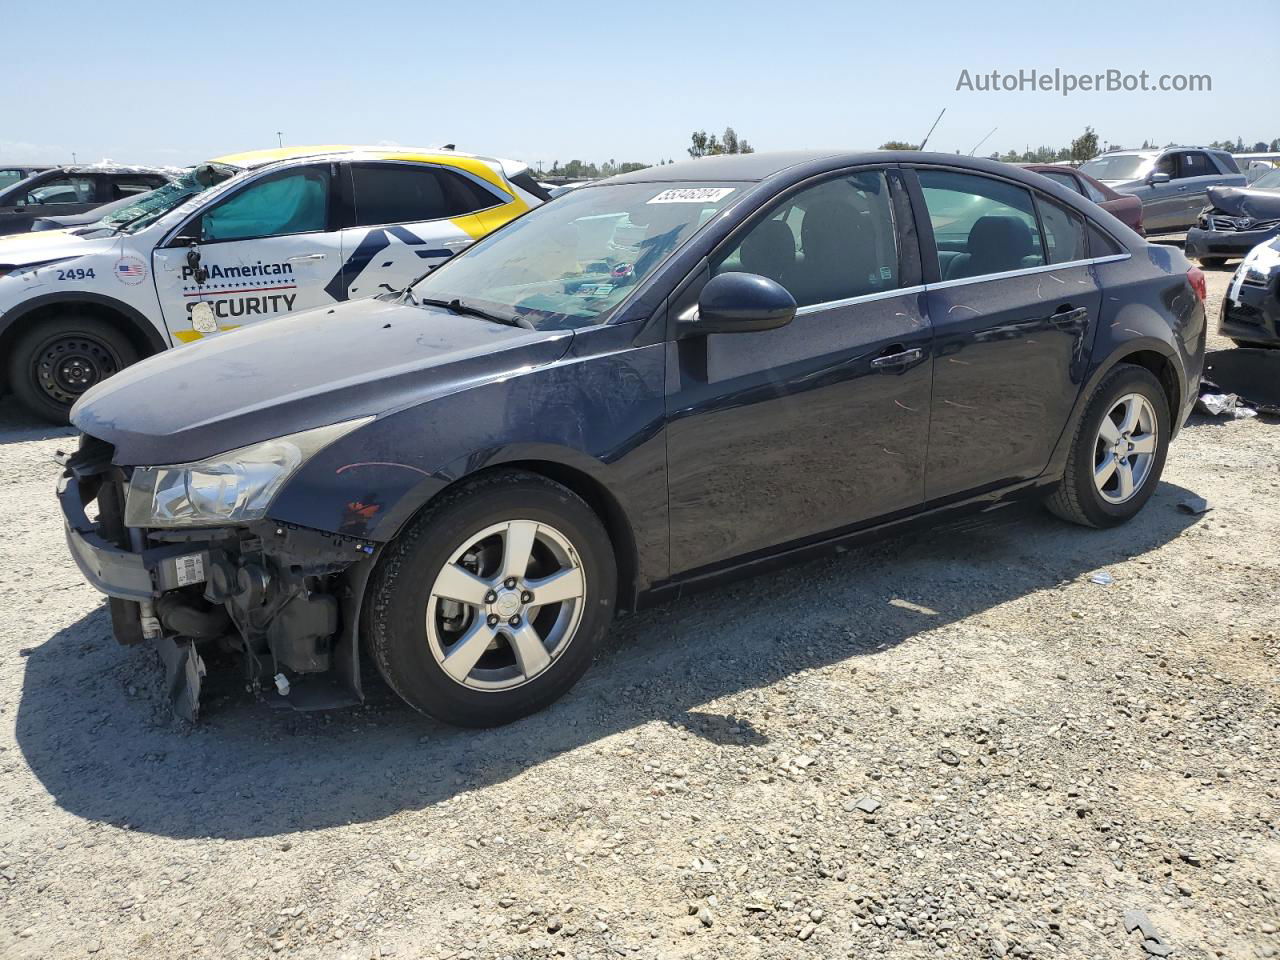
column 233, row 487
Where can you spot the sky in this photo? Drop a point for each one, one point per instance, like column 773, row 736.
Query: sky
column 176, row 83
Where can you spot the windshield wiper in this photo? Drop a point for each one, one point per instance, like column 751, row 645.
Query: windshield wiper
column 465, row 309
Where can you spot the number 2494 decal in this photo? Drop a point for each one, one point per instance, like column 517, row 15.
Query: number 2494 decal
column 77, row 273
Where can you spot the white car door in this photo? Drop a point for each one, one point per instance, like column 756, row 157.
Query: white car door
column 408, row 218
column 264, row 251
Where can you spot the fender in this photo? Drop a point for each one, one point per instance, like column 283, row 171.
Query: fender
column 1125, row 348
column 154, row 339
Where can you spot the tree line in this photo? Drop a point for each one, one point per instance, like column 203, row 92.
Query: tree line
column 702, row 144
column 1085, row 147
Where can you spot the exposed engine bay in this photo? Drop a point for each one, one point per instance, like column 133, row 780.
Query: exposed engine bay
column 285, row 598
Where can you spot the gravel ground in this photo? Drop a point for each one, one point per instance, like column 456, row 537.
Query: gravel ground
column 955, row 743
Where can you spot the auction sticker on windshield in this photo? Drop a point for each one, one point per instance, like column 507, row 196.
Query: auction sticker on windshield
column 693, row 195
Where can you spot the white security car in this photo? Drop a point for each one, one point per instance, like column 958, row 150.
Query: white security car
column 234, row 241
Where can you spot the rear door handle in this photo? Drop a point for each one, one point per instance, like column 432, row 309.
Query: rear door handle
column 900, row 358
column 1069, row 316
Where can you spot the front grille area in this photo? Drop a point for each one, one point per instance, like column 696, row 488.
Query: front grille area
column 1244, row 313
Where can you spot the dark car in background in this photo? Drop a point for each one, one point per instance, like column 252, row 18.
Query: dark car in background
column 1251, row 307
column 12, row 173
column 104, row 212
column 1171, row 183
column 652, row 383
column 71, row 190
column 1236, row 220
column 1124, row 207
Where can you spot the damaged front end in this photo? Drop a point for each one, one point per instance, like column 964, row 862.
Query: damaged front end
column 286, row 598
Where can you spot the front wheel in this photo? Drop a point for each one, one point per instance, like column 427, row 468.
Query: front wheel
column 60, row 358
column 1118, row 452
column 1213, row 263
column 492, row 603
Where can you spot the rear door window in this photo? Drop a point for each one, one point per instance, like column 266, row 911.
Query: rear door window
column 980, row 225
column 133, row 186
column 1193, row 163
column 409, row 193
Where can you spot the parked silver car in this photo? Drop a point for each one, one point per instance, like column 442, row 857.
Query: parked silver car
column 1171, row 183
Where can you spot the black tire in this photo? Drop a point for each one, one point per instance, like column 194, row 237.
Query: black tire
column 59, row 358
column 1077, row 499
column 1213, row 263
column 401, row 587
column 1254, row 345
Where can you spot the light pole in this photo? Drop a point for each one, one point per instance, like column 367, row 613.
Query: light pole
column 279, row 139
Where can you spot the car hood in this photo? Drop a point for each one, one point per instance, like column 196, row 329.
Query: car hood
column 23, row 249
column 322, row 366
column 1246, row 202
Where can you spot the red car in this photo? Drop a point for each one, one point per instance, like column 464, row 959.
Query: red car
column 1125, row 208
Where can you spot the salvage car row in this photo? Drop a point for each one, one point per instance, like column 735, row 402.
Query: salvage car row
column 241, row 238
column 652, row 383
column 145, row 271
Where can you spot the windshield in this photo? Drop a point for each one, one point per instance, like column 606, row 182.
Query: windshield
column 1124, row 166
column 1268, row 181
column 571, row 262
column 150, row 207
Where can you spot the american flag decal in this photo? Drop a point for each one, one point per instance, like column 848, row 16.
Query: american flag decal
column 130, row 270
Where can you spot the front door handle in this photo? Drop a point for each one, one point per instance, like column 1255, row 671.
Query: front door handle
column 1068, row 317
column 309, row 256
column 897, row 359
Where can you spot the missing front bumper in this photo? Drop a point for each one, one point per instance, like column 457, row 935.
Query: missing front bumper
column 287, row 599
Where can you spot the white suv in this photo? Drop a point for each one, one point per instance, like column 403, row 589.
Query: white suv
column 238, row 240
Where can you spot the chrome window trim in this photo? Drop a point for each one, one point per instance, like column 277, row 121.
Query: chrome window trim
column 863, row 298
column 1028, row 271
column 942, row 284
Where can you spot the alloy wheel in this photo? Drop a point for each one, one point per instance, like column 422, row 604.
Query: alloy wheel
column 1125, row 448
column 506, row 605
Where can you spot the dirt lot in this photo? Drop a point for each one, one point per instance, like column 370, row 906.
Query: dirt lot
column 950, row 744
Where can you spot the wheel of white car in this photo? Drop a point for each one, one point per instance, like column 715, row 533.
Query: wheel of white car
column 1118, row 452
column 61, row 357
column 491, row 604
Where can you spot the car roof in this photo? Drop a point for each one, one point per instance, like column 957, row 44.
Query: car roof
column 799, row 165
column 106, row 166
column 251, row 159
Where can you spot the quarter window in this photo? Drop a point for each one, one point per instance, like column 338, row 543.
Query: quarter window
column 404, row 193
column 122, row 187
column 1093, row 193
column 296, row 201
column 980, row 225
column 1063, row 231
column 831, row 242
column 1066, row 179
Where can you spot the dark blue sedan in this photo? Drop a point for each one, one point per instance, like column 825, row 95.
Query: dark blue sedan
column 654, row 382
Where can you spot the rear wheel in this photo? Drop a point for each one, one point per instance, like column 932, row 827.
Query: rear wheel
column 60, row 358
column 1213, row 263
column 492, row 603
column 1118, row 452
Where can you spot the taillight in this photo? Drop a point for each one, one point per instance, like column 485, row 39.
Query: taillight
column 1195, row 276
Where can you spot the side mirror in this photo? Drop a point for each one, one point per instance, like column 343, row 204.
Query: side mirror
column 740, row 303
column 1156, row 177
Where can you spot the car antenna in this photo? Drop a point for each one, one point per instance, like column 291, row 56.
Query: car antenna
column 983, row 140
column 931, row 129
